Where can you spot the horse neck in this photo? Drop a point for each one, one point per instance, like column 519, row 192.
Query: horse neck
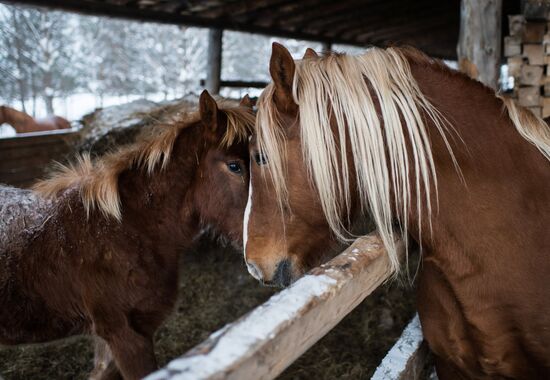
column 501, row 171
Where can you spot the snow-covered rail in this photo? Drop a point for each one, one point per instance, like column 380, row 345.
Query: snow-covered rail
column 264, row 342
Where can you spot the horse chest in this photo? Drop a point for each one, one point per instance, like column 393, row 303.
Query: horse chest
column 475, row 334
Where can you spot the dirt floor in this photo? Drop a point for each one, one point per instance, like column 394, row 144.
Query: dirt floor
column 216, row 289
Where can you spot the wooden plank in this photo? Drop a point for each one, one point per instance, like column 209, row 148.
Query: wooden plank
column 545, row 107
column 529, row 96
column 516, row 24
column 546, row 43
column 267, row 340
column 20, row 176
column 533, row 32
column 38, row 138
column 531, row 75
column 546, row 82
column 479, row 40
column 534, row 53
column 29, row 162
column 537, row 111
column 512, row 46
column 514, row 65
column 407, row 357
column 56, row 149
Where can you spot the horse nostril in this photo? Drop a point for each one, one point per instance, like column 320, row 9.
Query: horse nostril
column 283, row 275
column 254, row 271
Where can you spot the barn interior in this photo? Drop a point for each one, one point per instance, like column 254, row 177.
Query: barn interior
column 209, row 299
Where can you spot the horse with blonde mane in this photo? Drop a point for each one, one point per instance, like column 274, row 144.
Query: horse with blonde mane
column 23, row 123
column 429, row 155
column 104, row 260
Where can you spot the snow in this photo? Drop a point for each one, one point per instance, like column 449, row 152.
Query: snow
column 396, row 359
column 21, row 213
column 6, row 131
column 241, row 337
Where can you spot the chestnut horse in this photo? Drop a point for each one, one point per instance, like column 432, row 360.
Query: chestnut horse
column 424, row 152
column 23, row 123
column 105, row 260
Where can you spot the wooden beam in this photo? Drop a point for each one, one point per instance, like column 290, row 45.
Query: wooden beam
column 238, row 8
column 272, row 16
column 315, row 12
column 214, row 61
column 406, row 359
column 239, row 83
column 418, row 16
column 406, row 32
column 329, row 21
column 480, row 39
column 263, row 343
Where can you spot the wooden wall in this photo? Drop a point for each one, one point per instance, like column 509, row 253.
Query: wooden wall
column 26, row 157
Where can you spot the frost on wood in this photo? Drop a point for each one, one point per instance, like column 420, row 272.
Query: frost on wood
column 22, row 212
column 261, row 324
column 401, row 357
column 264, row 342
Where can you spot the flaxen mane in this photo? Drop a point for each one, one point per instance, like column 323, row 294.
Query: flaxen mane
column 339, row 80
column 97, row 180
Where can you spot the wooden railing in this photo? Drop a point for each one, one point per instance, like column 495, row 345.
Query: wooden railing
column 261, row 344
column 25, row 157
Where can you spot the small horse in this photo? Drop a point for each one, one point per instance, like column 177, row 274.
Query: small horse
column 23, row 123
column 105, row 260
column 425, row 152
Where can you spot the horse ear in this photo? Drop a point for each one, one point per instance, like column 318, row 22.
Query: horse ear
column 246, row 102
column 208, row 110
column 281, row 68
column 310, row 53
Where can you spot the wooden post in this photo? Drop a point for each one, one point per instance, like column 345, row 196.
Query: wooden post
column 326, row 46
column 479, row 40
column 214, row 61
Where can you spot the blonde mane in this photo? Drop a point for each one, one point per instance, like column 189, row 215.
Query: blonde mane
column 334, row 87
column 530, row 127
column 97, row 180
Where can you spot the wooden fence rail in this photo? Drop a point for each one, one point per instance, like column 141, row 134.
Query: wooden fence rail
column 267, row 340
column 25, row 157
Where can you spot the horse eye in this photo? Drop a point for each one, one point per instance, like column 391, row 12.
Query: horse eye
column 260, row 159
column 234, row 167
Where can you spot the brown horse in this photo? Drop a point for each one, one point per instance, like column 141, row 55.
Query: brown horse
column 424, row 152
column 23, row 123
column 104, row 261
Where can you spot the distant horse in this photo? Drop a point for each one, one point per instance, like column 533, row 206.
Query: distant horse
column 424, row 152
column 23, row 123
column 105, row 260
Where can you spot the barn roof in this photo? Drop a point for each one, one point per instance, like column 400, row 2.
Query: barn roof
column 431, row 25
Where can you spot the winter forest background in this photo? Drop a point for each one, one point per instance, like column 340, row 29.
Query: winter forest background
column 54, row 62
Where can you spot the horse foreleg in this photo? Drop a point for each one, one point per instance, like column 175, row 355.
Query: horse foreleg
column 447, row 371
column 104, row 365
column 133, row 353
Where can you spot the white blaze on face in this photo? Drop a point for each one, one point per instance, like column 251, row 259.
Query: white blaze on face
column 252, row 269
column 247, row 212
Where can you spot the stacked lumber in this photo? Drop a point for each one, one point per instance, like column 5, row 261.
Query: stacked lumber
column 527, row 51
